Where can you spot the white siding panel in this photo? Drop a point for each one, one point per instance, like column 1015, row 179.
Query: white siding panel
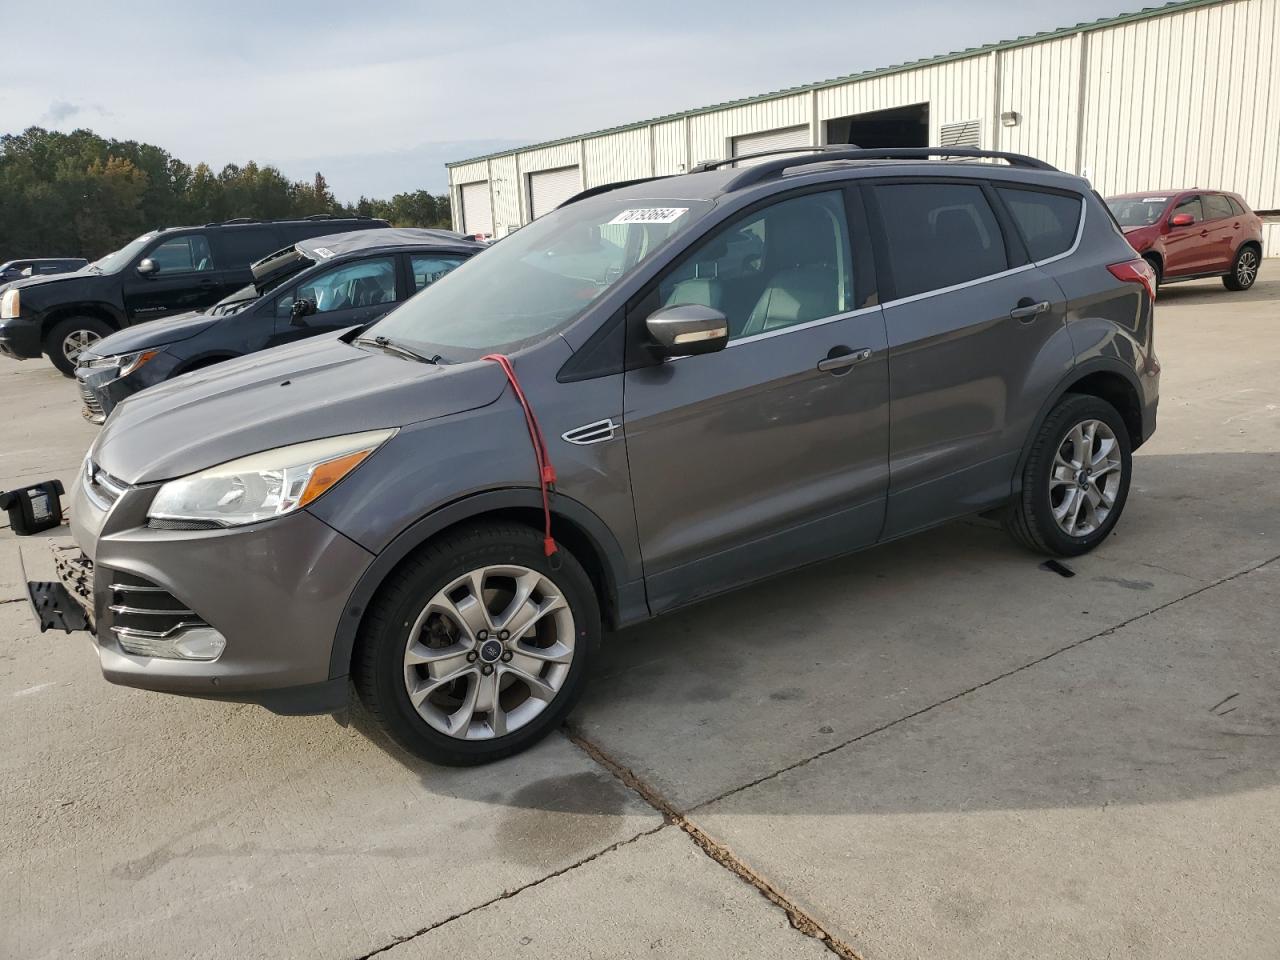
column 469, row 173
column 617, row 156
column 1271, row 239
column 669, row 153
column 505, row 183
column 710, row 134
column 549, row 158
column 1041, row 84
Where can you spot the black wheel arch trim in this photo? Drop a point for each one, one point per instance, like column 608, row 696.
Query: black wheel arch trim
column 627, row 598
column 98, row 309
column 1064, row 385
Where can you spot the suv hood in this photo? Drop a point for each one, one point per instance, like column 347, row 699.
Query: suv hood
column 153, row 333
column 321, row 387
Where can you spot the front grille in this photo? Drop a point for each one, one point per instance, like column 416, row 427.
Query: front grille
column 103, row 489
column 159, row 523
column 92, row 406
column 142, row 612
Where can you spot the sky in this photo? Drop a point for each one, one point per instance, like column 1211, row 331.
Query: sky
column 379, row 95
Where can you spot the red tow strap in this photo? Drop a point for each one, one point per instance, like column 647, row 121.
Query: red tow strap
column 546, row 472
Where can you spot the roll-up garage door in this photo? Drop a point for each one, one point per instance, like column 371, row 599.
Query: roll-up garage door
column 477, row 212
column 550, row 188
column 769, row 140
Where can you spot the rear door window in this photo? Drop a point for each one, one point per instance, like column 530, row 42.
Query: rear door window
column 1049, row 222
column 938, row 235
column 1216, row 207
column 427, row 268
column 239, row 248
column 1236, row 208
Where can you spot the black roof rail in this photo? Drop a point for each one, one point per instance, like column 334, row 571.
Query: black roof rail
column 762, row 171
column 606, row 187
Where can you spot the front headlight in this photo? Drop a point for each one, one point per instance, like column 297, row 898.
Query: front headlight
column 9, row 305
column 265, row 485
column 124, row 363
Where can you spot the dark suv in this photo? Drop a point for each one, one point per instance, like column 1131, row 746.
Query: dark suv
column 658, row 392
column 315, row 286
column 168, row 271
column 21, row 269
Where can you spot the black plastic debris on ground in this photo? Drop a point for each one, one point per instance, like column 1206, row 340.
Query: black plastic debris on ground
column 1061, row 569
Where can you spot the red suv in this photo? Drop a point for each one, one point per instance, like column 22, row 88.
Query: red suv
column 1188, row 234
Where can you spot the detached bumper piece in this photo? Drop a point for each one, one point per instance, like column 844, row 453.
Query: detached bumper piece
column 54, row 607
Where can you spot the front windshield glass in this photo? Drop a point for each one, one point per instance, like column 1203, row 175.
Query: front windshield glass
column 535, row 282
column 1137, row 211
column 115, row 262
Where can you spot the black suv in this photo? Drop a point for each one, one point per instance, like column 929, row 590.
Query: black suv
column 40, row 267
column 173, row 270
column 315, row 286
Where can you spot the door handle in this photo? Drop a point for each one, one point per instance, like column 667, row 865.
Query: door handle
column 840, row 358
column 1204, row 233
column 1027, row 310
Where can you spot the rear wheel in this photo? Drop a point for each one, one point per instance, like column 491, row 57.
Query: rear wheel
column 68, row 338
column 478, row 646
column 1076, row 479
column 1154, row 263
column 1244, row 270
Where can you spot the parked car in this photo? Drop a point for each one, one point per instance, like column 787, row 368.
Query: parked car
column 1190, row 234
column 315, row 286
column 168, row 271
column 19, row 269
column 766, row 367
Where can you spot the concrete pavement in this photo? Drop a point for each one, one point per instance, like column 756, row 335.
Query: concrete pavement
column 934, row 748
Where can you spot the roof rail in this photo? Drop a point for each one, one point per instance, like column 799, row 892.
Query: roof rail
column 606, row 187
column 824, row 154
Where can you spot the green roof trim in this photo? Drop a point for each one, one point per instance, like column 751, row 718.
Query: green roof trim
column 1146, row 13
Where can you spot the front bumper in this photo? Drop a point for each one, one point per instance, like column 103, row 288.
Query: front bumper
column 20, row 338
column 275, row 591
column 102, row 390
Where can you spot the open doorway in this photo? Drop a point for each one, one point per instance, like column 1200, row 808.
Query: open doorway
column 896, row 127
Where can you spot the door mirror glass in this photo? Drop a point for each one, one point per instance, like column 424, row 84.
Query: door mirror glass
column 688, row 328
column 147, row 267
column 1181, row 220
column 302, row 307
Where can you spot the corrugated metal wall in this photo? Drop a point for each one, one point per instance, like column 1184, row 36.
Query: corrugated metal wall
column 1188, row 98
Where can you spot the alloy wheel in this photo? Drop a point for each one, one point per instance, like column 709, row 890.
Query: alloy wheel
column 1085, row 480
column 489, row 652
column 76, row 342
column 1246, row 268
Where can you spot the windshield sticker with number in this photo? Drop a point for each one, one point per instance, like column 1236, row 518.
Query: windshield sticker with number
column 650, row 215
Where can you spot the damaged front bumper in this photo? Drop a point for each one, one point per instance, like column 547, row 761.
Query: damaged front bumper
column 65, row 604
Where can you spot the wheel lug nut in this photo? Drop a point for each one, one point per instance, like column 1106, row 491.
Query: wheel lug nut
column 503, row 634
column 487, row 669
column 471, row 657
column 506, row 657
column 482, row 635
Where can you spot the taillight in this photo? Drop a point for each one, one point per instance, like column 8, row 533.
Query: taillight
column 1136, row 271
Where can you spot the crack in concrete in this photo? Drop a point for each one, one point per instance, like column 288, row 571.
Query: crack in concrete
column 508, row 894
column 986, row 683
column 799, row 918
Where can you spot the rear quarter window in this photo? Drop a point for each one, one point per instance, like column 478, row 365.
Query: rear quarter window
column 939, row 235
column 1047, row 221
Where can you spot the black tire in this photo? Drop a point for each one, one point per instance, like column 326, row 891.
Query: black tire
column 1029, row 517
column 88, row 327
column 1154, row 263
column 1244, row 269
column 378, row 669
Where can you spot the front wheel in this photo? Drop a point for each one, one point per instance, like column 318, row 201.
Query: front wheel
column 1076, row 479
column 1244, row 270
column 478, row 646
column 68, row 338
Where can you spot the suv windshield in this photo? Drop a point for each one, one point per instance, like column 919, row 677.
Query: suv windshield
column 1137, row 211
column 114, row 262
column 534, row 282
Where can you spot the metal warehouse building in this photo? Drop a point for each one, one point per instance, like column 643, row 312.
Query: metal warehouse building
column 1186, row 94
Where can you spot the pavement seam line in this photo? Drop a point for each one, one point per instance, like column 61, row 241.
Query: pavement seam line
column 985, row 683
column 799, row 918
column 508, row 894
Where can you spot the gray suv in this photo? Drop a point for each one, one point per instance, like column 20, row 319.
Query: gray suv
column 661, row 391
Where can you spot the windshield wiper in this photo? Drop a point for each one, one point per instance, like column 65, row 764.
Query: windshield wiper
column 386, row 343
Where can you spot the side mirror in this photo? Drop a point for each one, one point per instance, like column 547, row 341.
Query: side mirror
column 1181, row 220
column 147, row 267
column 302, row 307
column 688, row 328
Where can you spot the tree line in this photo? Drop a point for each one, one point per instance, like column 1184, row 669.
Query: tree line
column 79, row 194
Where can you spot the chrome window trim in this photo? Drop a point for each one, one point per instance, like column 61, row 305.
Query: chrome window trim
column 807, row 325
column 1084, row 212
column 959, row 286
